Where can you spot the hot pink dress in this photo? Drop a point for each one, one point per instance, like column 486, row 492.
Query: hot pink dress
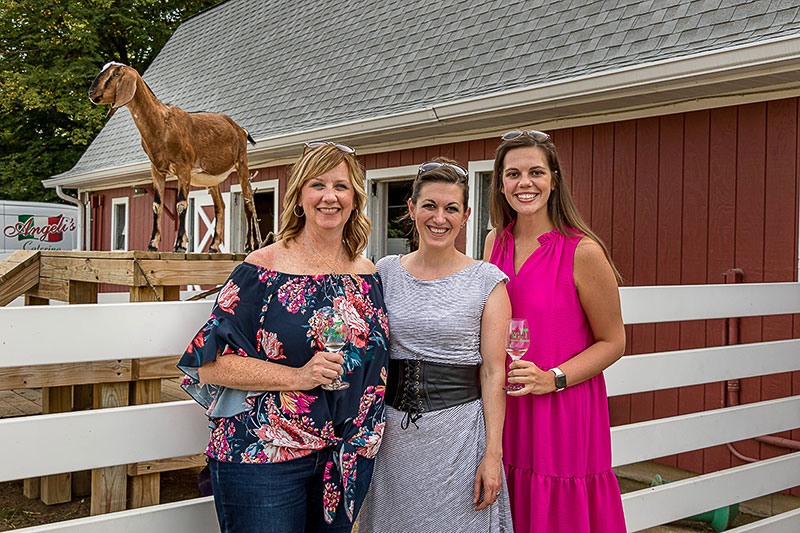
column 556, row 447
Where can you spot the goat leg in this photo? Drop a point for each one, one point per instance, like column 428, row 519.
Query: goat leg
column 182, row 240
column 219, row 219
column 159, row 186
column 253, row 238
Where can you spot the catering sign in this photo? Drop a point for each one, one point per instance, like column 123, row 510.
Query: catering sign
column 38, row 226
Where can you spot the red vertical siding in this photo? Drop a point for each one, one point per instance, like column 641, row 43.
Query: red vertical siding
column 779, row 237
column 580, row 179
column 603, row 182
column 645, row 239
column 720, row 257
column 749, row 251
column 622, row 226
column 694, row 243
column 668, row 254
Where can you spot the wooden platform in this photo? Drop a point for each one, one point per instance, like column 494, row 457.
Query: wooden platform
column 73, row 277
column 53, row 274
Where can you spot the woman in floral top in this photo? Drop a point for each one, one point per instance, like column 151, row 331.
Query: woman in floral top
column 286, row 455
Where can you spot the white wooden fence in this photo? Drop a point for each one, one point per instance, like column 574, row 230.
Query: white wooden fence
column 57, row 443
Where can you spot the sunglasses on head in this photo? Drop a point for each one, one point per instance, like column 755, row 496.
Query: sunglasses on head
column 433, row 165
column 538, row 136
column 342, row 147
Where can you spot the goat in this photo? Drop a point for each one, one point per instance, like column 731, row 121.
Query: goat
column 200, row 149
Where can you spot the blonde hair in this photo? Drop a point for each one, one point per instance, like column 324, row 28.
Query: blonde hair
column 560, row 207
column 315, row 162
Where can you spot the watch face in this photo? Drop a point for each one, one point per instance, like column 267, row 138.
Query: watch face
column 561, row 381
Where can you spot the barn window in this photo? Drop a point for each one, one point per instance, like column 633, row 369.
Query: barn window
column 119, row 224
column 265, row 196
column 478, row 225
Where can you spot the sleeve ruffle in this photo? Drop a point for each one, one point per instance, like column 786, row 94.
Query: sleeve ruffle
column 229, row 330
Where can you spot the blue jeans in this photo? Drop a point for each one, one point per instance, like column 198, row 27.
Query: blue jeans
column 280, row 497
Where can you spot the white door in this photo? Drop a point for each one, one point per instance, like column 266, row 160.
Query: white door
column 203, row 221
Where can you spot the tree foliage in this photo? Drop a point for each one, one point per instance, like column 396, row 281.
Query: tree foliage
column 50, row 50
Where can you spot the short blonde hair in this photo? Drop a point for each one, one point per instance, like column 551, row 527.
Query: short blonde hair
column 315, row 162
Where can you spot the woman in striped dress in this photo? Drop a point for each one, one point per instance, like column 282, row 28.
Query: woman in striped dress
column 440, row 466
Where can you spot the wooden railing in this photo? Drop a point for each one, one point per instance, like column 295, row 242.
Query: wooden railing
column 124, row 435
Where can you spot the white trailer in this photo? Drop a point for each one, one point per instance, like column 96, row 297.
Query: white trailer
column 37, row 226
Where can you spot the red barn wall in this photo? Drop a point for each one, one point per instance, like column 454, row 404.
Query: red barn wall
column 679, row 199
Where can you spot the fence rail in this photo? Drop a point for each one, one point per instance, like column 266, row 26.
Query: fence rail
column 101, row 332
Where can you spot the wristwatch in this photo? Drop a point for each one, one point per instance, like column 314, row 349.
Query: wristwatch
column 561, row 379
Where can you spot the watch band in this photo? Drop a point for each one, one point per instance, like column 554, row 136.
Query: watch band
column 561, row 379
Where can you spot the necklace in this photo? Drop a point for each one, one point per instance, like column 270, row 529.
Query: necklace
column 335, row 260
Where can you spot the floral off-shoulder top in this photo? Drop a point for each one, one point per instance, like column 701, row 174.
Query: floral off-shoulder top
column 273, row 316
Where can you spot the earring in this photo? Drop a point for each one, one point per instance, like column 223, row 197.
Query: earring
column 302, row 213
column 463, row 226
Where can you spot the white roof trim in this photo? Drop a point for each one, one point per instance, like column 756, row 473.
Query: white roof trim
column 693, row 72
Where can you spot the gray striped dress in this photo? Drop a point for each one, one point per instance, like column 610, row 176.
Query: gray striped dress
column 424, row 475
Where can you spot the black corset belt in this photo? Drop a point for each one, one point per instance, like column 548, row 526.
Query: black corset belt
column 418, row 387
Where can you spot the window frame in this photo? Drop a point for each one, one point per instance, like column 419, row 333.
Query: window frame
column 377, row 208
column 124, row 201
column 261, row 185
column 474, row 168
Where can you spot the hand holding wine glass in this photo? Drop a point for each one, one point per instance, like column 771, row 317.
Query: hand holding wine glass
column 334, row 335
column 517, row 342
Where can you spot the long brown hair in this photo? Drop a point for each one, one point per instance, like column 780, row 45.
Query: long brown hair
column 560, row 207
column 315, row 162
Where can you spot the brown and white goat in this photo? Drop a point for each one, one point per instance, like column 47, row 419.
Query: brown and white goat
column 200, row 149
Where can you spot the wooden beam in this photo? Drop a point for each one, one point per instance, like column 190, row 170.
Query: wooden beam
column 91, row 269
column 82, row 292
column 18, row 274
column 187, row 272
column 17, row 258
column 51, row 288
column 144, row 490
column 93, row 254
column 30, row 377
column 167, row 465
column 110, row 484
column 31, row 488
column 82, row 401
column 56, row 488
column 156, row 367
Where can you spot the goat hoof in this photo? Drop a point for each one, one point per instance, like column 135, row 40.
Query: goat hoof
column 151, row 248
column 213, row 250
column 179, row 250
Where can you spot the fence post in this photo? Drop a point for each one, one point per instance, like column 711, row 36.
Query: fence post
column 109, row 485
column 145, row 489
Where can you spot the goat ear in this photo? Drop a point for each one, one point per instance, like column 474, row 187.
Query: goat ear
column 126, row 88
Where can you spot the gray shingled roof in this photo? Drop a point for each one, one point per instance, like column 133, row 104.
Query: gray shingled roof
column 279, row 67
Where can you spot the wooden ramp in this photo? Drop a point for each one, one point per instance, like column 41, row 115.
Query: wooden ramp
column 18, row 274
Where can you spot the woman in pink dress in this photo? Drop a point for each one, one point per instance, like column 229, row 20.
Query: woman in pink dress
column 557, row 440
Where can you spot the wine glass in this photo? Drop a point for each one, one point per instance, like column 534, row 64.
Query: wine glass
column 334, row 334
column 517, row 341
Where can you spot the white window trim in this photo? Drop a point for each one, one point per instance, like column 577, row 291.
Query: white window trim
column 374, row 208
column 260, row 186
column 474, row 168
column 125, row 232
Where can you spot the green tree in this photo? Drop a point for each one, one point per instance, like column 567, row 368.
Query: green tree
column 50, row 50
